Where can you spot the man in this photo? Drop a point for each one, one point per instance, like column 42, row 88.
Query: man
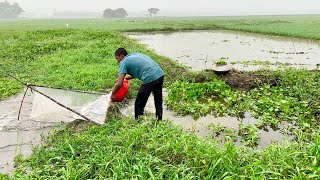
column 142, row 67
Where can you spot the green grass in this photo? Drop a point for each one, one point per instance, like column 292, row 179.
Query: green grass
column 46, row 52
column 76, row 59
column 303, row 26
column 124, row 149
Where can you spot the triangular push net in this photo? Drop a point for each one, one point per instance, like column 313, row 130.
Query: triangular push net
column 57, row 105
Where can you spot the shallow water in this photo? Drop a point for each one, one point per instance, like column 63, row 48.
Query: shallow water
column 199, row 49
column 200, row 126
column 14, row 140
column 38, row 117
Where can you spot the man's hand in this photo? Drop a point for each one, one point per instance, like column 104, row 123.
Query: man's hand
column 113, row 97
column 117, row 86
column 129, row 77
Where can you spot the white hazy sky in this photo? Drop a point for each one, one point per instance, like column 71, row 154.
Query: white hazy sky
column 183, row 7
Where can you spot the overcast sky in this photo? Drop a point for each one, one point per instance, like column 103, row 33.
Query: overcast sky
column 181, row 7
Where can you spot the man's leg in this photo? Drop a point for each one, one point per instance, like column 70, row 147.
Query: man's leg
column 141, row 100
column 158, row 102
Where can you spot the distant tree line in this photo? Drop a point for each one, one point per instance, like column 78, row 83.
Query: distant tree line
column 10, row 11
column 117, row 13
column 152, row 11
column 122, row 13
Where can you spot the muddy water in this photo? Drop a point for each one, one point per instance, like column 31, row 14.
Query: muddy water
column 199, row 49
column 201, row 129
column 17, row 137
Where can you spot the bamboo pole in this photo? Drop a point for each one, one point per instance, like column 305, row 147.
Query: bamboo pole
column 66, row 89
column 55, row 101
column 74, row 111
column 24, row 95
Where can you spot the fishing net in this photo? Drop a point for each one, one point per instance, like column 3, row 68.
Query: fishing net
column 46, row 107
column 91, row 106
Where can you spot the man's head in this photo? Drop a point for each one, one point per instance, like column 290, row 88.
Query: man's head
column 120, row 54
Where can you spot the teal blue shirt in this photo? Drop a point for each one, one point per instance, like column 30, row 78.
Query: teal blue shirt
column 140, row 66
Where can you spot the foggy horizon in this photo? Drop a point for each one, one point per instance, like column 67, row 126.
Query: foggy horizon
column 138, row 8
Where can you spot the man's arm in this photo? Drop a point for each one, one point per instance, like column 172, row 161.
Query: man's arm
column 117, row 86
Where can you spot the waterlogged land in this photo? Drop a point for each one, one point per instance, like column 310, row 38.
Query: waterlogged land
column 81, row 57
column 245, row 51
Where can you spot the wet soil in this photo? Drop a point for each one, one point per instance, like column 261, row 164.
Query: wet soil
column 239, row 80
column 246, row 80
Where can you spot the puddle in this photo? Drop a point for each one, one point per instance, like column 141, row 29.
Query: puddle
column 200, row 126
column 39, row 116
column 18, row 137
column 199, row 49
column 14, row 143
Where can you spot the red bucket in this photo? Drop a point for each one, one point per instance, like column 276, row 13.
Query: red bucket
column 122, row 92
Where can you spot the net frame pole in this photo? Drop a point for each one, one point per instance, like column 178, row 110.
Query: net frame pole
column 20, row 108
column 55, row 101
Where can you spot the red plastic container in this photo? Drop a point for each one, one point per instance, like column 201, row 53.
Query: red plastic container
column 122, row 92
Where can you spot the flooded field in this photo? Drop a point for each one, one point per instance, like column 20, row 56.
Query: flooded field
column 200, row 49
column 201, row 126
column 18, row 137
column 38, row 117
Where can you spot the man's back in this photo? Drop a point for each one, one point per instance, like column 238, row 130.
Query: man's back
column 140, row 66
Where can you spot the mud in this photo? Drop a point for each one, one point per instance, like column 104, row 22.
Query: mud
column 245, row 81
column 239, row 80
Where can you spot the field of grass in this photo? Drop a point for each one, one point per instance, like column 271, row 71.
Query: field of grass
column 46, row 52
column 158, row 150
column 306, row 26
column 76, row 59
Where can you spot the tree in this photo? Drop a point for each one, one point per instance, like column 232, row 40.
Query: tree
column 153, row 11
column 118, row 13
column 8, row 11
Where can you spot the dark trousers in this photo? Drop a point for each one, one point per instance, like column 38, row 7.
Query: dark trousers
column 143, row 95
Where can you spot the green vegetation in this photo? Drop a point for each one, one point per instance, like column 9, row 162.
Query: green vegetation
column 221, row 61
column 47, row 52
column 157, row 150
column 294, row 99
column 292, row 26
column 75, row 59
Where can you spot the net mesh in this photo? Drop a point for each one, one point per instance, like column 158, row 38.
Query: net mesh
column 92, row 106
column 40, row 112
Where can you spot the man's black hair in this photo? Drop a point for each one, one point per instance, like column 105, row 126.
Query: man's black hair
column 120, row 51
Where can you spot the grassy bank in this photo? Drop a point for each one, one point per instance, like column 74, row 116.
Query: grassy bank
column 76, row 59
column 158, row 150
